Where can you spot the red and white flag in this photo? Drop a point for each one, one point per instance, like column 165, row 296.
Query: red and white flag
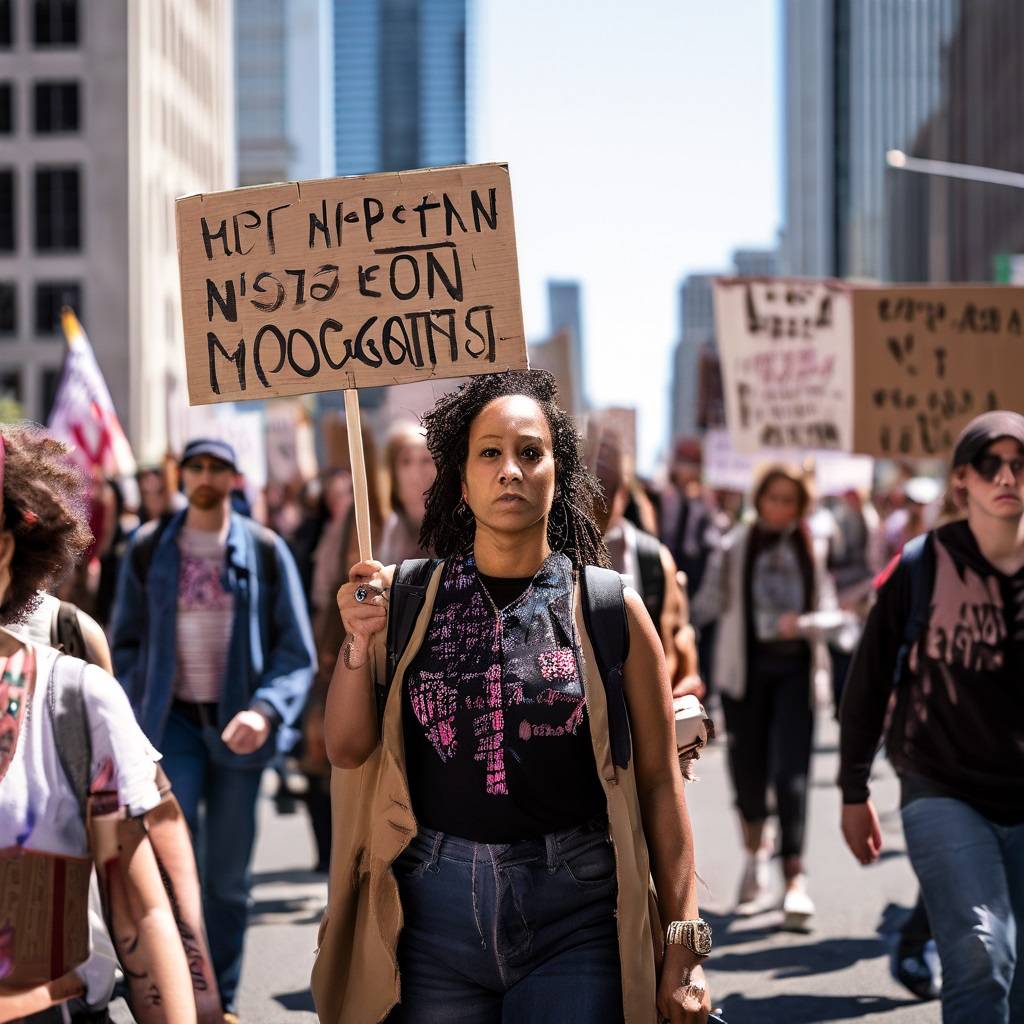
column 83, row 413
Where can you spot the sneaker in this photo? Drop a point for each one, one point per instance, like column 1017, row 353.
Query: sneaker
column 755, row 890
column 915, row 967
column 231, row 1018
column 797, row 908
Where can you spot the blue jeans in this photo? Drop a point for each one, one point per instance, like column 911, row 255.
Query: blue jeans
column 223, row 841
column 509, row 933
column 972, row 878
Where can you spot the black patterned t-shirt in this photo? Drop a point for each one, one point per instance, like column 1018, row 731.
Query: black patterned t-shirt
column 497, row 735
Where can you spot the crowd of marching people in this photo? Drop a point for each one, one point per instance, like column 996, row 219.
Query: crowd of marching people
column 247, row 633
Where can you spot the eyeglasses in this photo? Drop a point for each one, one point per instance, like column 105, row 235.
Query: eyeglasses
column 988, row 467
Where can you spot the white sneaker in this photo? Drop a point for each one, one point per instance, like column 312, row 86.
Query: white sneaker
column 797, row 908
column 755, row 888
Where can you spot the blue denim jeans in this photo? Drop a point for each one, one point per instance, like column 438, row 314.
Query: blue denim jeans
column 972, row 879
column 509, row 933
column 223, row 840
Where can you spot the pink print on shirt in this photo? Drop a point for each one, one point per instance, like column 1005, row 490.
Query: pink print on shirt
column 508, row 668
column 199, row 585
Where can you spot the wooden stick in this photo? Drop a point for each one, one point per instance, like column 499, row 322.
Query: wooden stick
column 357, row 461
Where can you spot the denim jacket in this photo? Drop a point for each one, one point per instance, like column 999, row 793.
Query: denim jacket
column 271, row 656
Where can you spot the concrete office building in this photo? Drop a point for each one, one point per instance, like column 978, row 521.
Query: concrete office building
column 108, row 112
column 284, row 59
column 565, row 315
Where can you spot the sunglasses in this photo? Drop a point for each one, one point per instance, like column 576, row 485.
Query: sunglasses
column 989, row 466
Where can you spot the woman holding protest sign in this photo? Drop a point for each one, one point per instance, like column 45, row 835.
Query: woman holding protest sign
column 494, row 831
column 72, row 792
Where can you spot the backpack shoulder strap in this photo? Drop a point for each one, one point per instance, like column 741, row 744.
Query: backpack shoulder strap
column 266, row 551
column 604, row 613
column 69, row 636
column 652, row 574
column 144, row 546
column 70, row 720
column 408, row 591
column 918, row 559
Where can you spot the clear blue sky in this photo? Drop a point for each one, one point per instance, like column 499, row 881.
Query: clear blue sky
column 643, row 141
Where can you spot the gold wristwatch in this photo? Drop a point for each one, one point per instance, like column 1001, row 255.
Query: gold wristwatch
column 694, row 935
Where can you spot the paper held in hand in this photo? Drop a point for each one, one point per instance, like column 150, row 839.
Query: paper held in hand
column 349, row 282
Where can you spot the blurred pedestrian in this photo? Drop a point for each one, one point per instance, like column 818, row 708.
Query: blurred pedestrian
column 411, row 472
column 941, row 662
column 212, row 643
column 77, row 778
column 856, row 555
column 332, row 557
column 764, row 585
column 158, row 491
column 484, row 852
column 646, row 564
column 691, row 530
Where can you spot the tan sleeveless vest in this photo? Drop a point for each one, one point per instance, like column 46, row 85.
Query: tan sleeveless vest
column 355, row 977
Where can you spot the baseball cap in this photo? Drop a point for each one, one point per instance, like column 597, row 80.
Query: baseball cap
column 983, row 430
column 210, row 446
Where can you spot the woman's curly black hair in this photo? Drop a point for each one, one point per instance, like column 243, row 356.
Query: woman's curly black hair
column 45, row 508
column 447, row 533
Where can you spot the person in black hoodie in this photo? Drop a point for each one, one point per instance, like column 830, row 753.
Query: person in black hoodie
column 954, row 697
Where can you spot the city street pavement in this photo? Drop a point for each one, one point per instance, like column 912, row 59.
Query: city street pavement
column 758, row 975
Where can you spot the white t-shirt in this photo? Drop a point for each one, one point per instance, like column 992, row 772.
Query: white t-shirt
column 38, row 808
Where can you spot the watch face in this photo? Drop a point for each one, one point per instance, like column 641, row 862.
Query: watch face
column 702, row 938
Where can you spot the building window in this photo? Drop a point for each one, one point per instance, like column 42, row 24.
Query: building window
column 51, row 379
column 56, row 107
column 6, row 108
column 8, row 308
column 55, row 22
column 51, row 298
column 58, row 209
column 7, row 210
column 10, row 386
column 6, row 24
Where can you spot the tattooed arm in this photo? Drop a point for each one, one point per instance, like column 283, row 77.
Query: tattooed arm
column 141, row 922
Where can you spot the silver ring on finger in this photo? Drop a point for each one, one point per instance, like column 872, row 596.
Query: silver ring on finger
column 361, row 594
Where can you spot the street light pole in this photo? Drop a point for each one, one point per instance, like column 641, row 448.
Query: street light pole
column 899, row 160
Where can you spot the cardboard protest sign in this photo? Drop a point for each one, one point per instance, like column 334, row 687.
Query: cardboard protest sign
column 929, row 359
column 787, row 362
column 349, row 282
column 835, row 473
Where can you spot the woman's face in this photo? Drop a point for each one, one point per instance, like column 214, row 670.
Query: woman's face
column 994, row 482
column 414, row 474
column 338, row 495
column 509, row 478
column 779, row 506
column 153, row 492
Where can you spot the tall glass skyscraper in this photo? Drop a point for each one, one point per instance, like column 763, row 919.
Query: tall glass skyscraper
column 861, row 77
column 400, row 84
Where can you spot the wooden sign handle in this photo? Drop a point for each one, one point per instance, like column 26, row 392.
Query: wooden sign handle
column 360, row 493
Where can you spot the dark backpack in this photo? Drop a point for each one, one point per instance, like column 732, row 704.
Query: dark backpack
column 604, row 612
column 918, row 559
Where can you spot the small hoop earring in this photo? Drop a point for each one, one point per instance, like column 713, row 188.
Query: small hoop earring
column 463, row 512
column 558, row 528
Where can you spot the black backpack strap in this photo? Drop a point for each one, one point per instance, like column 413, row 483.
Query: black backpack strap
column 70, row 720
column 408, row 591
column 652, row 574
column 604, row 613
column 144, row 546
column 66, row 635
column 918, row 559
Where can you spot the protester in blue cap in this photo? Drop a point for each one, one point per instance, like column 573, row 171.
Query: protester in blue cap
column 212, row 642
column 941, row 667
